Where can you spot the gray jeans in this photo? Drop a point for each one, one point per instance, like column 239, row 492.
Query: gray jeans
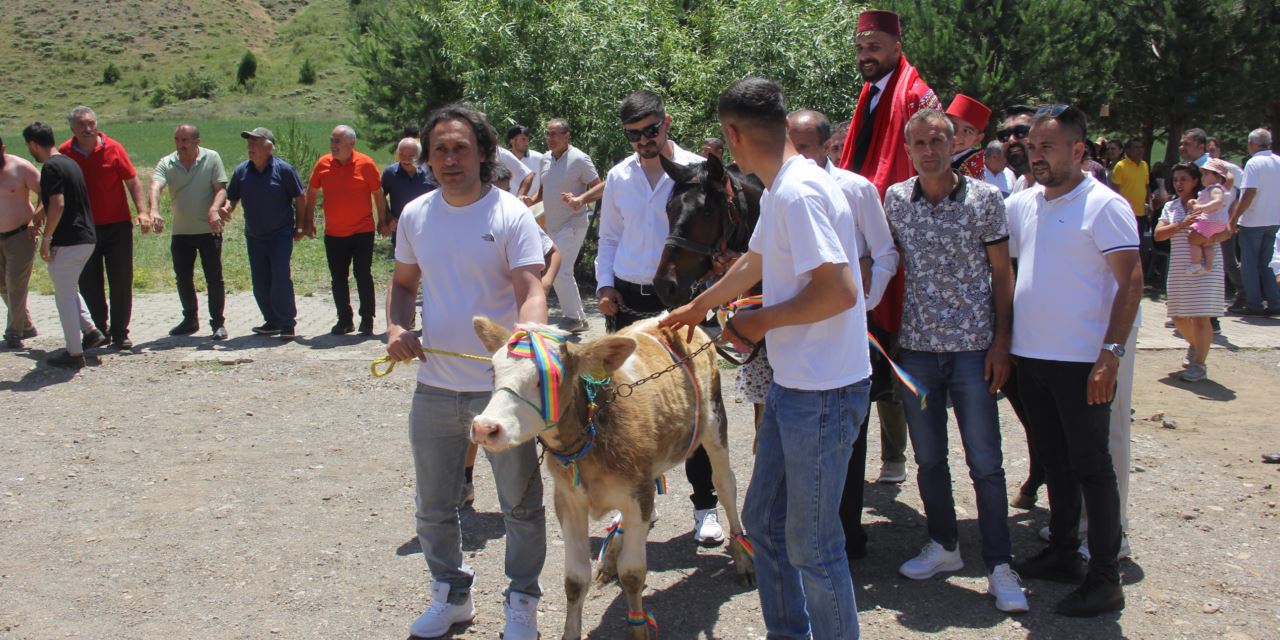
column 65, row 265
column 439, row 428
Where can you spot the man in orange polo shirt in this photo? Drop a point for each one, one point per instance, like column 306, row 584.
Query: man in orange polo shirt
column 352, row 186
column 109, row 175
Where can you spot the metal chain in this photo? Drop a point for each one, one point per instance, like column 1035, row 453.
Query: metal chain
column 643, row 315
column 626, row 389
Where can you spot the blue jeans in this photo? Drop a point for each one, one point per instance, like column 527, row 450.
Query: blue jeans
column 958, row 377
column 792, row 510
column 1256, row 246
column 439, row 430
column 272, row 284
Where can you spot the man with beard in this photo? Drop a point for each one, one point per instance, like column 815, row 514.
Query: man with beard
column 633, row 233
column 1013, row 135
column 875, row 147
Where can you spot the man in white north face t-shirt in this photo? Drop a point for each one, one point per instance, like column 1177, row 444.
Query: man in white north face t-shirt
column 480, row 252
column 815, row 317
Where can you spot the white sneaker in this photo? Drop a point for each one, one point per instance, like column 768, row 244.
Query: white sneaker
column 1006, row 587
column 440, row 615
column 892, row 472
column 1190, row 358
column 1195, row 373
column 1195, row 269
column 933, row 559
column 706, row 528
column 1125, row 551
column 574, row 325
column 522, row 617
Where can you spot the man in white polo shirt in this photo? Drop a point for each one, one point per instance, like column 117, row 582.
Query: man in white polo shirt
column 481, row 254
column 633, row 233
column 1078, row 287
column 566, row 173
column 815, row 317
column 1258, row 217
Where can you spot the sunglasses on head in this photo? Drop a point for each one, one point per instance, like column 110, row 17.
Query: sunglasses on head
column 651, row 131
column 1019, row 131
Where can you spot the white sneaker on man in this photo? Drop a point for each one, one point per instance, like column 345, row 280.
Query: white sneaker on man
column 522, row 617
column 706, row 528
column 440, row 615
column 933, row 559
column 892, row 473
column 1006, row 587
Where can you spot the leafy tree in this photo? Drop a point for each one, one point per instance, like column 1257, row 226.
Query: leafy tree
column 192, row 85
column 307, row 72
column 111, row 74
column 248, row 68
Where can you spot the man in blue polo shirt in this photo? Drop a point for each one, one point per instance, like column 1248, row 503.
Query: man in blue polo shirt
column 404, row 180
column 272, row 193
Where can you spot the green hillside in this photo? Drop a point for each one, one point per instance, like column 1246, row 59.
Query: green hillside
column 56, row 54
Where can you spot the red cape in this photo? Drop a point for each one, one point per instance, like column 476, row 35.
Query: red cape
column 887, row 161
column 972, row 164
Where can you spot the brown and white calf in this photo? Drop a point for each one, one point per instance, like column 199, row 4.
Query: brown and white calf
column 637, row 438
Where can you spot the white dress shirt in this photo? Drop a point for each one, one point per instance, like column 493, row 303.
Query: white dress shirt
column 633, row 221
column 873, row 239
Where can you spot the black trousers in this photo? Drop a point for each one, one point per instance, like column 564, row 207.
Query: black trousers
column 1071, row 439
column 347, row 254
column 855, row 537
column 1035, row 471
column 113, row 254
column 697, row 469
column 209, row 247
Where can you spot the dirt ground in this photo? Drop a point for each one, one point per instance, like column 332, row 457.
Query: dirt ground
column 267, row 492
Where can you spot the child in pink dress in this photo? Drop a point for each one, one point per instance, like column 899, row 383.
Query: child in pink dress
column 1214, row 206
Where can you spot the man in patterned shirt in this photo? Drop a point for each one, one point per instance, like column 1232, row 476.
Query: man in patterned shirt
column 956, row 333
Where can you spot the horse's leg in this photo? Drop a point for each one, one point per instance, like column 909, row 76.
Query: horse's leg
column 715, row 441
column 571, row 511
column 631, row 561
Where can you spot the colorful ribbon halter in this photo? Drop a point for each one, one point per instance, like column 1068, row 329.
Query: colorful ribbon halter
column 544, row 349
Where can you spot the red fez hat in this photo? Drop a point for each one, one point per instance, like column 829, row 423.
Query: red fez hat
column 969, row 110
column 886, row 21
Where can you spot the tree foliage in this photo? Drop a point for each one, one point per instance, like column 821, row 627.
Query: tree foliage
column 247, row 69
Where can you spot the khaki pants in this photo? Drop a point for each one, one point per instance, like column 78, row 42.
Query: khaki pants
column 17, row 255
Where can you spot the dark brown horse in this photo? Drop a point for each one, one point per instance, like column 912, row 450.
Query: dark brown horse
column 712, row 209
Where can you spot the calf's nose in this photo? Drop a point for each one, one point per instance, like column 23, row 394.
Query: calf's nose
column 485, row 430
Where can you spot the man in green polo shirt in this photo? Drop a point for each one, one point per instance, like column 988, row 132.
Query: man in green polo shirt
column 197, row 184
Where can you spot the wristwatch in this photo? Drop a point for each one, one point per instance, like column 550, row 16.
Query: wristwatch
column 1114, row 347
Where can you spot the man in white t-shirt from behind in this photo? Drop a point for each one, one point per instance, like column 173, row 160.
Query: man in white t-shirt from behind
column 1079, row 284
column 815, row 317
column 479, row 250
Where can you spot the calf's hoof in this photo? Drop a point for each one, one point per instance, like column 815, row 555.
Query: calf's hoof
column 743, row 564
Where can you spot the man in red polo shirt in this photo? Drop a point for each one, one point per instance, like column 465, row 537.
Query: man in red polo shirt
column 108, row 174
column 352, row 186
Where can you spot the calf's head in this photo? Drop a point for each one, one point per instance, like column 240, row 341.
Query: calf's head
column 518, row 412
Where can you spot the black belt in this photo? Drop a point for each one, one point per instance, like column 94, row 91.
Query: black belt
column 5, row 235
column 631, row 287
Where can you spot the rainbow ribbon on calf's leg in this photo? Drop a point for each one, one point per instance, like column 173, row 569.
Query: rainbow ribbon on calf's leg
column 640, row 618
column 907, row 381
column 661, row 484
column 743, row 540
column 612, row 530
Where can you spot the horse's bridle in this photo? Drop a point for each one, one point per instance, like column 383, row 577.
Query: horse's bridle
column 737, row 204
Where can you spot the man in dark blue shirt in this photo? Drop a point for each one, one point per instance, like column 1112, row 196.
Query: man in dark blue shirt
column 272, row 193
column 405, row 180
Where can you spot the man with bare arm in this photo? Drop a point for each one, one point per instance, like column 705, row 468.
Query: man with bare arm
column 18, row 226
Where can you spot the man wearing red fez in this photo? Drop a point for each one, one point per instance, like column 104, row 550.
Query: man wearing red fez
column 969, row 117
column 875, row 147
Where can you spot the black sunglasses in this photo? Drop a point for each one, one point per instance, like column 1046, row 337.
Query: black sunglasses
column 1019, row 131
column 651, row 131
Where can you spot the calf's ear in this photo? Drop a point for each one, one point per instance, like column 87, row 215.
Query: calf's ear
column 492, row 335
column 605, row 354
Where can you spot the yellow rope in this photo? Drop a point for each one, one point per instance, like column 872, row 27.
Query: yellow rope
column 391, row 364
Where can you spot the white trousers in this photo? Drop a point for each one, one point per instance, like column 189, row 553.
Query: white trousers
column 568, row 239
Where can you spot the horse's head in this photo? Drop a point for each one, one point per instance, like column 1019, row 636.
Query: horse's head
column 706, row 216
column 516, row 412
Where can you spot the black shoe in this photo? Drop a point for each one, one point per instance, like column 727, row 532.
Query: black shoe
column 28, row 334
column 286, row 334
column 1271, row 313
column 65, row 360
column 1217, row 326
column 123, row 344
column 12, row 342
column 266, row 329
column 1097, row 595
column 219, row 333
column 342, row 328
column 1238, row 308
column 366, row 326
column 1051, row 564
column 92, row 340
column 187, row 327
